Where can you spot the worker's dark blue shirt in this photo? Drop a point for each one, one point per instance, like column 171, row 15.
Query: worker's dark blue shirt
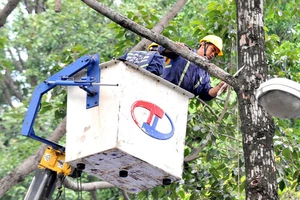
column 186, row 75
column 151, row 61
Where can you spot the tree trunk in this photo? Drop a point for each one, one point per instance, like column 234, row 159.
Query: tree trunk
column 257, row 126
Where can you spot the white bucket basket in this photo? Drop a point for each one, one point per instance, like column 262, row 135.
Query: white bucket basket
column 135, row 138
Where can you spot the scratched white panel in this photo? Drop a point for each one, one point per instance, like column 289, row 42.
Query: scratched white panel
column 164, row 154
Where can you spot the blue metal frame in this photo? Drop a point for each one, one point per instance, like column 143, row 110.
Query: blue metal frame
column 62, row 78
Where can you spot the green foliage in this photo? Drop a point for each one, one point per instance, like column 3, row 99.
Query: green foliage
column 286, row 143
column 282, row 38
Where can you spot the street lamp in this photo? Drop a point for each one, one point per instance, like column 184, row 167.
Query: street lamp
column 280, row 97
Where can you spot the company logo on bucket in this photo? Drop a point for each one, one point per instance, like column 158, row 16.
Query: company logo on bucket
column 153, row 120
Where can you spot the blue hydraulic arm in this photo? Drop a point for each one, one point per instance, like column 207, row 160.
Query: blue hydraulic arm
column 90, row 84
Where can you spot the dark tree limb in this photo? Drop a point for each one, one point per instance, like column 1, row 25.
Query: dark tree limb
column 15, row 61
column 6, row 92
column 7, row 10
column 10, row 84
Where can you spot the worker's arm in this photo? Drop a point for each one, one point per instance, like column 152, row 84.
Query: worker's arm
column 168, row 53
column 208, row 92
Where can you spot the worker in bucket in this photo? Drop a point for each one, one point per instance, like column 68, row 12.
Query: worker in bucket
column 188, row 75
column 152, row 61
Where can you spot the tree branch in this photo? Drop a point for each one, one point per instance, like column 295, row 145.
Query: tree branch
column 125, row 195
column 162, row 40
column 86, row 186
column 11, row 85
column 22, row 64
column 194, row 155
column 162, row 24
column 16, row 63
column 6, row 92
column 7, row 10
column 92, row 186
column 228, row 89
column 207, row 106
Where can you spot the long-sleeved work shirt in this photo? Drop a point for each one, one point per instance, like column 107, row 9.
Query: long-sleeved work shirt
column 186, row 75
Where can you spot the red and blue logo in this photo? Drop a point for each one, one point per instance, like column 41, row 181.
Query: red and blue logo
column 153, row 120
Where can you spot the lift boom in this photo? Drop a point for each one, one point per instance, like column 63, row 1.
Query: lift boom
column 90, row 84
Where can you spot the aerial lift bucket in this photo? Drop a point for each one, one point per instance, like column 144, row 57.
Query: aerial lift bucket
column 135, row 138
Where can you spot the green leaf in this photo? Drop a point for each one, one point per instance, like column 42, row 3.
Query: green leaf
column 181, row 193
column 281, row 185
column 45, row 108
column 286, row 152
column 221, row 166
column 194, row 196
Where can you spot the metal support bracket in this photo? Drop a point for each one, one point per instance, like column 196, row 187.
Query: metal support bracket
column 61, row 78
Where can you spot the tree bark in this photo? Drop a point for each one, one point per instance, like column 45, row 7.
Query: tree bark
column 7, row 10
column 257, row 126
column 162, row 24
column 39, row 6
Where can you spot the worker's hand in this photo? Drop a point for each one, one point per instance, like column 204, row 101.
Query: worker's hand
column 217, row 90
column 222, row 86
column 183, row 45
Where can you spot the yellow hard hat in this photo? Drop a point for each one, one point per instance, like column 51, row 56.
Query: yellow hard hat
column 215, row 40
column 152, row 47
